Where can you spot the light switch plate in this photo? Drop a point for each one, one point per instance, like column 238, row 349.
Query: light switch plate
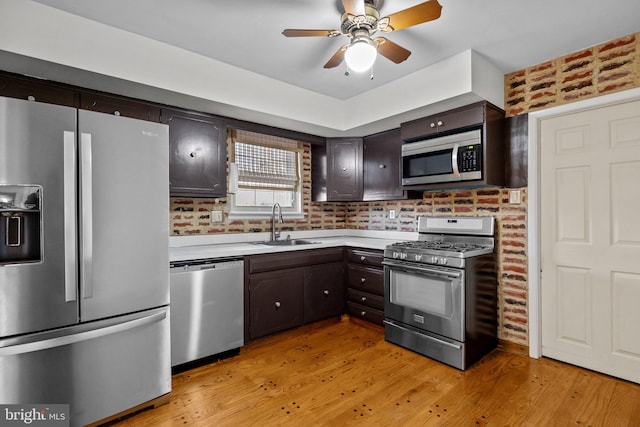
column 392, row 214
column 216, row 216
column 514, row 197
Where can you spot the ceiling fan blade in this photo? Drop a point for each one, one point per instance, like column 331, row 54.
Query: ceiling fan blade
column 424, row 12
column 310, row 33
column 354, row 7
column 337, row 58
column 391, row 50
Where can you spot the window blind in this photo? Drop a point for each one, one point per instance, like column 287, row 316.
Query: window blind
column 262, row 165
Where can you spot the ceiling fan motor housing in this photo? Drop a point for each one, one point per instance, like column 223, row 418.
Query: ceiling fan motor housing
column 368, row 21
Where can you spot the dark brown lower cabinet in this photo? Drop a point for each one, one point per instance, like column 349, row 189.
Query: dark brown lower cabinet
column 285, row 290
column 276, row 301
column 365, row 285
column 323, row 291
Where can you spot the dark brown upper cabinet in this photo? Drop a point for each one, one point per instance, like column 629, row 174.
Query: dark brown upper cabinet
column 344, row 169
column 449, row 121
column 383, row 166
column 119, row 106
column 14, row 86
column 197, row 154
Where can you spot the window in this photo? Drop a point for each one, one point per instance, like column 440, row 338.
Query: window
column 268, row 171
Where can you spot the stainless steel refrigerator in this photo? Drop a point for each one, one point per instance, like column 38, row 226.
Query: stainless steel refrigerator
column 84, row 264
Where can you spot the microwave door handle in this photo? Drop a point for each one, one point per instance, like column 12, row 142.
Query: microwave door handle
column 454, row 160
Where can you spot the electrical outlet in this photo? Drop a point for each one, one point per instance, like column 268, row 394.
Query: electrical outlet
column 392, row 214
column 514, row 197
column 216, row 216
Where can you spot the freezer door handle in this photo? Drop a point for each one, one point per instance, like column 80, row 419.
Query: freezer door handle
column 69, row 201
column 86, row 227
column 65, row 338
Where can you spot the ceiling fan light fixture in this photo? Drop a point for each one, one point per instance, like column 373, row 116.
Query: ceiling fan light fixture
column 361, row 54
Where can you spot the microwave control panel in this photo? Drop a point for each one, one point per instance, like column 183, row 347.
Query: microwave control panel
column 470, row 158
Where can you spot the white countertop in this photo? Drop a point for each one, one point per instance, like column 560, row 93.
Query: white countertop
column 183, row 248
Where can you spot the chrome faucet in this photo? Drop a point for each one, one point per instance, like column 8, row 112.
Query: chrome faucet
column 275, row 235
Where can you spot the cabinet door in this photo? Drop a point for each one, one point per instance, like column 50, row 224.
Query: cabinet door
column 383, row 166
column 15, row 87
column 197, row 154
column 344, row 169
column 275, row 300
column 461, row 118
column 323, row 291
column 119, row 106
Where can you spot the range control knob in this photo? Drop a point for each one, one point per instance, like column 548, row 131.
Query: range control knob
column 403, row 255
column 434, row 260
column 418, row 257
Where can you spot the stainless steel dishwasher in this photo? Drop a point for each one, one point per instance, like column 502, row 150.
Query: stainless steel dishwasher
column 207, row 308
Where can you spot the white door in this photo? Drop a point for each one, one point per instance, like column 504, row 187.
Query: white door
column 590, row 239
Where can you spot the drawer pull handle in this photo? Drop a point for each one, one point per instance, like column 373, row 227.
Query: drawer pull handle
column 363, row 258
column 362, row 280
column 363, row 313
column 326, row 292
column 364, row 299
column 278, row 304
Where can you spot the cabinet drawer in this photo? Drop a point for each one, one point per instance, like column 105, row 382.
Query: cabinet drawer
column 366, row 313
column 366, row 257
column 366, row 279
column 366, row 298
column 278, row 261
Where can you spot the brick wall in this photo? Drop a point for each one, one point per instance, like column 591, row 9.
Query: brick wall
column 608, row 67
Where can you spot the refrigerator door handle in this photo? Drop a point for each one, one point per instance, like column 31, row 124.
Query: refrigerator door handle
column 70, row 266
column 86, row 203
column 38, row 344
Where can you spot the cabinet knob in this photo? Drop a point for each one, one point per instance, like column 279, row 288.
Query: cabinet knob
column 432, row 125
column 326, row 292
column 440, row 123
column 277, row 304
column 364, row 299
column 116, row 113
column 362, row 280
column 363, row 313
column 363, row 258
column 31, row 98
column 344, row 169
column 192, row 154
column 382, row 166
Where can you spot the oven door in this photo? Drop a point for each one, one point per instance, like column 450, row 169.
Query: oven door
column 426, row 297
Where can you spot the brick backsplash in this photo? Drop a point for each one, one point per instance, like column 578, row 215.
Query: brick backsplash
column 594, row 71
column 608, row 67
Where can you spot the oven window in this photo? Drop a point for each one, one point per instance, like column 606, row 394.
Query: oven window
column 428, row 294
column 426, row 164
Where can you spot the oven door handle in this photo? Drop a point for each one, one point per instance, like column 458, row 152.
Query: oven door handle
column 418, row 268
column 439, row 341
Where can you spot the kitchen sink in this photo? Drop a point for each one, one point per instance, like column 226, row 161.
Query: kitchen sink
column 286, row 242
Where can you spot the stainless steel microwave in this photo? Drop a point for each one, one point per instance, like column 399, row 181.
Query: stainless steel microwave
column 450, row 158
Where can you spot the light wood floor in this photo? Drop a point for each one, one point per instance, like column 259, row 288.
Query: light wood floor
column 343, row 373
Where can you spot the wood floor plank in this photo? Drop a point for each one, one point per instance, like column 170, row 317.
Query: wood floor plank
column 338, row 373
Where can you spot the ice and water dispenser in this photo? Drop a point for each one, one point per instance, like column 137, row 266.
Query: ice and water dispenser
column 20, row 224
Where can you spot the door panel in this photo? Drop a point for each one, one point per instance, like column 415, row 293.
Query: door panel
column 124, row 225
column 32, row 152
column 590, row 199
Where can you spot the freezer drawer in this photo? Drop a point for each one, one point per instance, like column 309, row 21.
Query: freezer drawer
column 207, row 309
column 100, row 369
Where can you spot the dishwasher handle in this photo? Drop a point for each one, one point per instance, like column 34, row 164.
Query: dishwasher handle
column 206, row 264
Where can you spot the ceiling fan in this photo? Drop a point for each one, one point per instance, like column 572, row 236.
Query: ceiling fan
column 360, row 22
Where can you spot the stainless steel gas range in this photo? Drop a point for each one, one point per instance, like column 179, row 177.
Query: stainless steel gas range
column 441, row 291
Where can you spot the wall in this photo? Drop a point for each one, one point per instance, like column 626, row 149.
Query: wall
column 605, row 68
column 609, row 67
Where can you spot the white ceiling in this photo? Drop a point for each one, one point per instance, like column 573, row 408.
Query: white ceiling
column 511, row 34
